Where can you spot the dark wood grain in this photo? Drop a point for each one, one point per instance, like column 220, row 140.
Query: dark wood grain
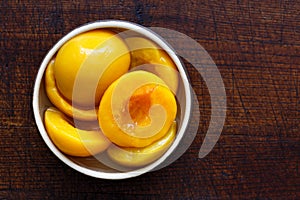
column 256, row 46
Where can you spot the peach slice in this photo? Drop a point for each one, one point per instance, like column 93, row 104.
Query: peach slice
column 144, row 51
column 137, row 110
column 146, row 55
column 87, row 64
column 60, row 102
column 71, row 140
column 136, row 157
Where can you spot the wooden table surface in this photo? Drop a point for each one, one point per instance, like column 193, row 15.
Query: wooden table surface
column 256, row 46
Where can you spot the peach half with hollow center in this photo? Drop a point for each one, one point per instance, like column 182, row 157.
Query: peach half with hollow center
column 137, row 110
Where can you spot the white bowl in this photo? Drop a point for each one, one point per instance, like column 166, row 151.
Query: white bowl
column 89, row 166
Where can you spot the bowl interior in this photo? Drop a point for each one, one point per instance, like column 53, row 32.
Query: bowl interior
column 90, row 165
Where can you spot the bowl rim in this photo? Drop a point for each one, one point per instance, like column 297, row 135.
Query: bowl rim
column 111, row 24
